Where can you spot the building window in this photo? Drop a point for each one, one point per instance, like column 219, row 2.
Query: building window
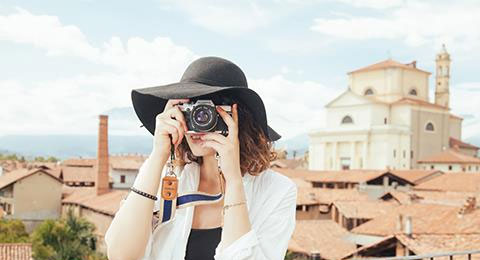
column 345, row 163
column 411, row 154
column 413, row 92
column 385, row 120
column 394, row 153
column 404, row 154
column 122, row 178
column 432, row 167
column 429, row 127
column 347, row 120
column 469, row 167
column 450, row 167
column 368, row 92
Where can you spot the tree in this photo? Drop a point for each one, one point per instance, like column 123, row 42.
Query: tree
column 12, row 231
column 69, row 238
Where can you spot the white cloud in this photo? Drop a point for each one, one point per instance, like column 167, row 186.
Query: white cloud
column 72, row 105
column 293, row 107
column 46, row 32
column 459, row 96
column 414, row 23
column 226, row 17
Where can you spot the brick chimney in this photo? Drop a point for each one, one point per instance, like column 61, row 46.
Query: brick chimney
column 102, row 178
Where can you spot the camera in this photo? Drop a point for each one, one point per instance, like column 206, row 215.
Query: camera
column 202, row 116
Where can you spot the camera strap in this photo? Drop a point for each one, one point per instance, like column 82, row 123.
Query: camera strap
column 170, row 200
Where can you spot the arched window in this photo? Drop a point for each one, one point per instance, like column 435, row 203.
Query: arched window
column 347, row 120
column 439, row 71
column 429, row 127
column 369, row 91
column 413, row 92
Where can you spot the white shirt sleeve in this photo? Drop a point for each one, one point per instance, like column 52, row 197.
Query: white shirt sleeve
column 270, row 241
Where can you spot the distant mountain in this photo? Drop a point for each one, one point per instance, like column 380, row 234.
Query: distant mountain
column 66, row 146
column 123, row 121
column 297, row 145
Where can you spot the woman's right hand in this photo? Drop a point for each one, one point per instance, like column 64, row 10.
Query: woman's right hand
column 170, row 122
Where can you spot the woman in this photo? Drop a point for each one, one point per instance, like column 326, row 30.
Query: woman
column 255, row 216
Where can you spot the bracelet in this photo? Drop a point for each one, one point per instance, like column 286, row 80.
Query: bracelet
column 150, row 196
column 232, row 205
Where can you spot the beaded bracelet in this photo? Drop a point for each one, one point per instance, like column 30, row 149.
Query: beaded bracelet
column 150, row 196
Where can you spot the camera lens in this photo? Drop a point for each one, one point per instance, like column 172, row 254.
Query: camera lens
column 203, row 118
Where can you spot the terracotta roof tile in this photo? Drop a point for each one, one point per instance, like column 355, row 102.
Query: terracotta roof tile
column 450, row 156
column 415, row 176
column 433, row 243
column 461, row 144
column 16, row 251
column 387, row 64
column 107, row 203
column 462, row 182
column 16, row 175
column 344, row 176
column 415, row 101
column 322, row 236
column 364, row 209
column 315, row 196
column 426, row 219
column 79, row 173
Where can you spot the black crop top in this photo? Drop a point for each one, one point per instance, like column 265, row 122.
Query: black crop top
column 202, row 243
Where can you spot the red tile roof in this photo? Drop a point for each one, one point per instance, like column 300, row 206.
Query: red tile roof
column 419, row 102
column 450, row 156
column 387, row 64
column 322, row 236
column 16, row 175
column 86, row 197
column 315, row 196
column 422, row 244
column 364, row 209
column 461, row 144
column 426, row 219
column 343, row 176
column 415, row 176
column 462, row 182
column 16, row 251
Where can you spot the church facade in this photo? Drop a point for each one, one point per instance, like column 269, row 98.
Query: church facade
column 384, row 120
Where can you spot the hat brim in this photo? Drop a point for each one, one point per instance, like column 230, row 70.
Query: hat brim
column 149, row 102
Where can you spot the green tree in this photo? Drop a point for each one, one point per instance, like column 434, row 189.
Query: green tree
column 69, row 238
column 12, row 231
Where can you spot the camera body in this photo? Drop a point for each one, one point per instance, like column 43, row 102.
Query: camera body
column 202, row 116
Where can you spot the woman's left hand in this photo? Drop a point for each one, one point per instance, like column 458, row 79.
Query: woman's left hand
column 228, row 147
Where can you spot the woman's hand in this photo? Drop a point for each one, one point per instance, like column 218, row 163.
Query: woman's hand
column 228, row 147
column 170, row 122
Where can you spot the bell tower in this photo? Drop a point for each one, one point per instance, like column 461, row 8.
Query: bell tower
column 442, row 93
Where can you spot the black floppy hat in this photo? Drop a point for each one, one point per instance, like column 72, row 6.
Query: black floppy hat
column 204, row 76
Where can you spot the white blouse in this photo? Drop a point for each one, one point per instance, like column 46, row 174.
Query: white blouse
column 271, row 202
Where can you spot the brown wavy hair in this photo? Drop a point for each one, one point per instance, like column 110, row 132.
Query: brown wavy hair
column 256, row 149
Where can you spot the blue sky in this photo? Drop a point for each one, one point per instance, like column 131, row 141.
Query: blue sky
column 71, row 60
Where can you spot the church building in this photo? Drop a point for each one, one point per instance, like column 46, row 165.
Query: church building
column 384, row 120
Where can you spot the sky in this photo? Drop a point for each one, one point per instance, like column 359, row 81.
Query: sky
column 63, row 63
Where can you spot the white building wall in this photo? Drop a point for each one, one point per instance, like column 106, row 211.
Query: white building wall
column 129, row 178
column 455, row 167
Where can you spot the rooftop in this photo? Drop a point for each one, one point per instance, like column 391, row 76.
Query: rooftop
column 450, row 156
column 389, row 63
column 322, row 236
column 461, row 182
